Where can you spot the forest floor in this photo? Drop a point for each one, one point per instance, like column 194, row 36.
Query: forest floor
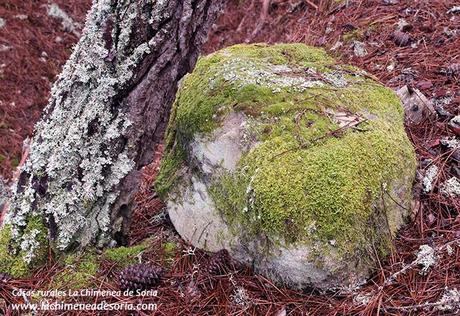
column 414, row 43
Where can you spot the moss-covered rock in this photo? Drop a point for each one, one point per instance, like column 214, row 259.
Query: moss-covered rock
column 290, row 161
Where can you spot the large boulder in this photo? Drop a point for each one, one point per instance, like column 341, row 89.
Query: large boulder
column 293, row 163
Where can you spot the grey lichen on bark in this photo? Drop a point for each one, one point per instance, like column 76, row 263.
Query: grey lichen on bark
column 107, row 112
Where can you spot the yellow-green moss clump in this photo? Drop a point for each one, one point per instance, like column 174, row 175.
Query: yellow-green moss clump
column 313, row 175
column 124, row 256
column 19, row 258
column 79, row 272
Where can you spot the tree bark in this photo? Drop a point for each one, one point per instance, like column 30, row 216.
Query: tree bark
column 108, row 111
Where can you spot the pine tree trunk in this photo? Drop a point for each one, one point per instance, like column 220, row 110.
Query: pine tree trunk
column 106, row 115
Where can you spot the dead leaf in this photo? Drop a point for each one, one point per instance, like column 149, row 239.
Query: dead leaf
column 344, row 119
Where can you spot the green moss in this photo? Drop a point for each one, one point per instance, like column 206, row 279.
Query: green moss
column 15, row 161
column 10, row 263
column 169, row 249
column 202, row 101
column 13, row 260
column 281, row 54
column 79, row 271
column 303, row 182
column 125, row 256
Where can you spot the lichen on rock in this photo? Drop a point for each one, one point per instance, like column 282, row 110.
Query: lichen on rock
column 290, row 161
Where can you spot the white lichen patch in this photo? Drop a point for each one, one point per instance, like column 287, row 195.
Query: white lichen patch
column 29, row 245
column 359, row 49
column 450, row 301
column 337, row 45
column 429, row 178
column 451, row 187
column 426, row 257
column 337, row 79
column 451, row 143
column 2, row 22
column 245, row 72
column 240, row 296
column 68, row 24
column 362, row 299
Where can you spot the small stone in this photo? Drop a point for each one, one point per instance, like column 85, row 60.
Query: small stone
column 454, row 124
column 454, row 10
column 391, row 66
column 431, row 219
column 417, row 107
column 4, row 48
column 390, row 2
column 21, row 16
column 359, row 49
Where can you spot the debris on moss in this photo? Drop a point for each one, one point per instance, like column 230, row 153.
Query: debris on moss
column 125, row 256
